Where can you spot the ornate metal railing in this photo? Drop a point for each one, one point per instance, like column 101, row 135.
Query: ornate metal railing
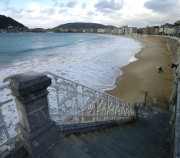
column 6, row 101
column 72, row 102
column 69, row 103
column 142, row 101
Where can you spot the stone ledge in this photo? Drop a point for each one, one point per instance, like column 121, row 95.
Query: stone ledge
column 90, row 126
column 29, row 82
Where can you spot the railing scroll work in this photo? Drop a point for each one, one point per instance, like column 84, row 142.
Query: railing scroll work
column 77, row 103
column 6, row 101
column 70, row 103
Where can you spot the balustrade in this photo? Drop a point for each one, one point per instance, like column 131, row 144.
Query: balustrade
column 6, row 105
column 77, row 103
column 69, row 102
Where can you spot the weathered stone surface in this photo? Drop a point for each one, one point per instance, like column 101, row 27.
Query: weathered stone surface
column 40, row 143
column 38, row 131
column 34, row 114
column 148, row 137
column 26, row 83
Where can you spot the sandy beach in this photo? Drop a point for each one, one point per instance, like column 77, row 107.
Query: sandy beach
column 142, row 74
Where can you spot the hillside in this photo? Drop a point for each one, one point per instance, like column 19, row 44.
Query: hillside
column 7, row 21
column 81, row 25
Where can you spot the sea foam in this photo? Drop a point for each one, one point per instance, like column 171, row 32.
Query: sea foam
column 90, row 59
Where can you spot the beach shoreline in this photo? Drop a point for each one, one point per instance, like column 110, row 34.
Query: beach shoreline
column 142, row 75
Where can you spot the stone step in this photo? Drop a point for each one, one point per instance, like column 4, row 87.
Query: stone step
column 101, row 149
column 146, row 138
column 66, row 149
column 110, row 143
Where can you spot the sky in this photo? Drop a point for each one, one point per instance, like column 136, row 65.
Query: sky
column 52, row 13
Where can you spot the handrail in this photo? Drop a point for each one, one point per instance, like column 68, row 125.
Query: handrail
column 5, row 138
column 77, row 103
column 71, row 102
column 53, row 74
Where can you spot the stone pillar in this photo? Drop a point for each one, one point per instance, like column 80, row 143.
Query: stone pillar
column 30, row 92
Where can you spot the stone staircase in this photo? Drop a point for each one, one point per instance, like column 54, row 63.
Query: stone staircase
column 89, row 123
column 148, row 137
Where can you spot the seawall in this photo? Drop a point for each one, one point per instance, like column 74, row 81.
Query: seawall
column 173, row 45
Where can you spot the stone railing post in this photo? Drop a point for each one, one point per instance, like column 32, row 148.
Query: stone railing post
column 30, row 92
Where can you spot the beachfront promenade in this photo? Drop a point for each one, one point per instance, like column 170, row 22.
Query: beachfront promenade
column 52, row 110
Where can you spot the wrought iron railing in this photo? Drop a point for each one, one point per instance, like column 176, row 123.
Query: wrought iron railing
column 72, row 102
column 69, row 103
column 142, row 101
column 6, row 101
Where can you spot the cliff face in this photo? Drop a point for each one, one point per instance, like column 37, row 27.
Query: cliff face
column 7, row 21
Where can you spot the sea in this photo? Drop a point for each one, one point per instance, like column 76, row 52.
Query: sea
column 94, row 60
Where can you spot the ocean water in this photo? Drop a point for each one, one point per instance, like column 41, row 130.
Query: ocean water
column 90, row 59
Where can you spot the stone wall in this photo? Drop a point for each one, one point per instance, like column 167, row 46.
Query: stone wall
column 173, row 45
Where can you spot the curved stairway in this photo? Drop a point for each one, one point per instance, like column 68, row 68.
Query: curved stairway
column 148, row 137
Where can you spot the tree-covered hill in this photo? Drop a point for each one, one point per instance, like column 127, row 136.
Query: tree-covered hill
column 81, row 25
column 7, row 21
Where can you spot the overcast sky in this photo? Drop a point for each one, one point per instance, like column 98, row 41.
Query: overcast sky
column 51, row 13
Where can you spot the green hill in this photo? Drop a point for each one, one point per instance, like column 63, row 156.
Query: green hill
column 81, row 25
column 7, row 21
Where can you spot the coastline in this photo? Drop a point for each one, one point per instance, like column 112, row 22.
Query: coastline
column 142, row 74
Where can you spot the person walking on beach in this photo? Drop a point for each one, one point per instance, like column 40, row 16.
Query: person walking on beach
column 160, row 69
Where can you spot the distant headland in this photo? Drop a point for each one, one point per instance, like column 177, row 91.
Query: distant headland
column 9, row 25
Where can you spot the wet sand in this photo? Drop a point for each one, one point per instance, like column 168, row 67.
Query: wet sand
column 142, row 74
